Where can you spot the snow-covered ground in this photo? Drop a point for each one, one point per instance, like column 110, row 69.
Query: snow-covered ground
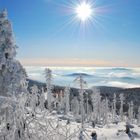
column 71, row 131
column 110, row 132
column 115, row 132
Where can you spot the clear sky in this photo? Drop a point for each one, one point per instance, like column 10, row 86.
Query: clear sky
column 48, row 32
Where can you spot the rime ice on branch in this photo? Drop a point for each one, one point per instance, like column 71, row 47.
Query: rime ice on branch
column 12, row 74
column 13, row 84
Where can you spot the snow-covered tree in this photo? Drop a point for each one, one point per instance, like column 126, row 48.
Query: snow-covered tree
column 67, row 99
column 34, row 98
column 131, row 112
column 114, row 108
column 96, row 103
column 138, row 116
column 82, row 84
column 121, row 106
column 13, row 84
column 104, row 111
column 12, row 74
column 48, row 75
column 42, row 99
column 75, row 106
column 87, row 104
column 61, row 100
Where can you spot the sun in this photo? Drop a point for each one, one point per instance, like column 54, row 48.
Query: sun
column 84, row 11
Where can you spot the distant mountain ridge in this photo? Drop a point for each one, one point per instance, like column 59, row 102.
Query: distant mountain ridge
column 120, row 69
column 78, row 74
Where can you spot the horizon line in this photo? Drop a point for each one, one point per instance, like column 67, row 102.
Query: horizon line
column 74, row 62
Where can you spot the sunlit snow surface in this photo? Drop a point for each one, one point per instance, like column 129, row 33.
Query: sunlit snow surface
column 95, row 76
column 108, row 132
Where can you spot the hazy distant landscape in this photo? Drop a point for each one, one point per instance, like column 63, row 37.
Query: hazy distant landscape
column 94, row 76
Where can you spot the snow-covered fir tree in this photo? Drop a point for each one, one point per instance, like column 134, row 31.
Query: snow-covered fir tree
column 67, row 99
column 61, row 100
column 96, row 103
column 138, row 117
column 131, row 112
column 75, row 106
column 42, row 99
column 12, row 74
column 48, row 76
column 114, row 108
column 87, row 104
column 34, row 98
column 121, row 107
column 105, row 111
column 13, row 84
column 82, row 84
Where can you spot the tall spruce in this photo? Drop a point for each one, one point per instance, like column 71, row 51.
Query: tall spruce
column 12, row 74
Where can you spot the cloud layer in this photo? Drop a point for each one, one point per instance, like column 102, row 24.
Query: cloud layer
column 95, row 76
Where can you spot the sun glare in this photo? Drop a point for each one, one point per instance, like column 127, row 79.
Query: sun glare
column 84, row 11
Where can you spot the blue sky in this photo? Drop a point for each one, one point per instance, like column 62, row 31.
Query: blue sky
column 48, row 33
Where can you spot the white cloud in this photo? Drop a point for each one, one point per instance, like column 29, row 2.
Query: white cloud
column 122, row 84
